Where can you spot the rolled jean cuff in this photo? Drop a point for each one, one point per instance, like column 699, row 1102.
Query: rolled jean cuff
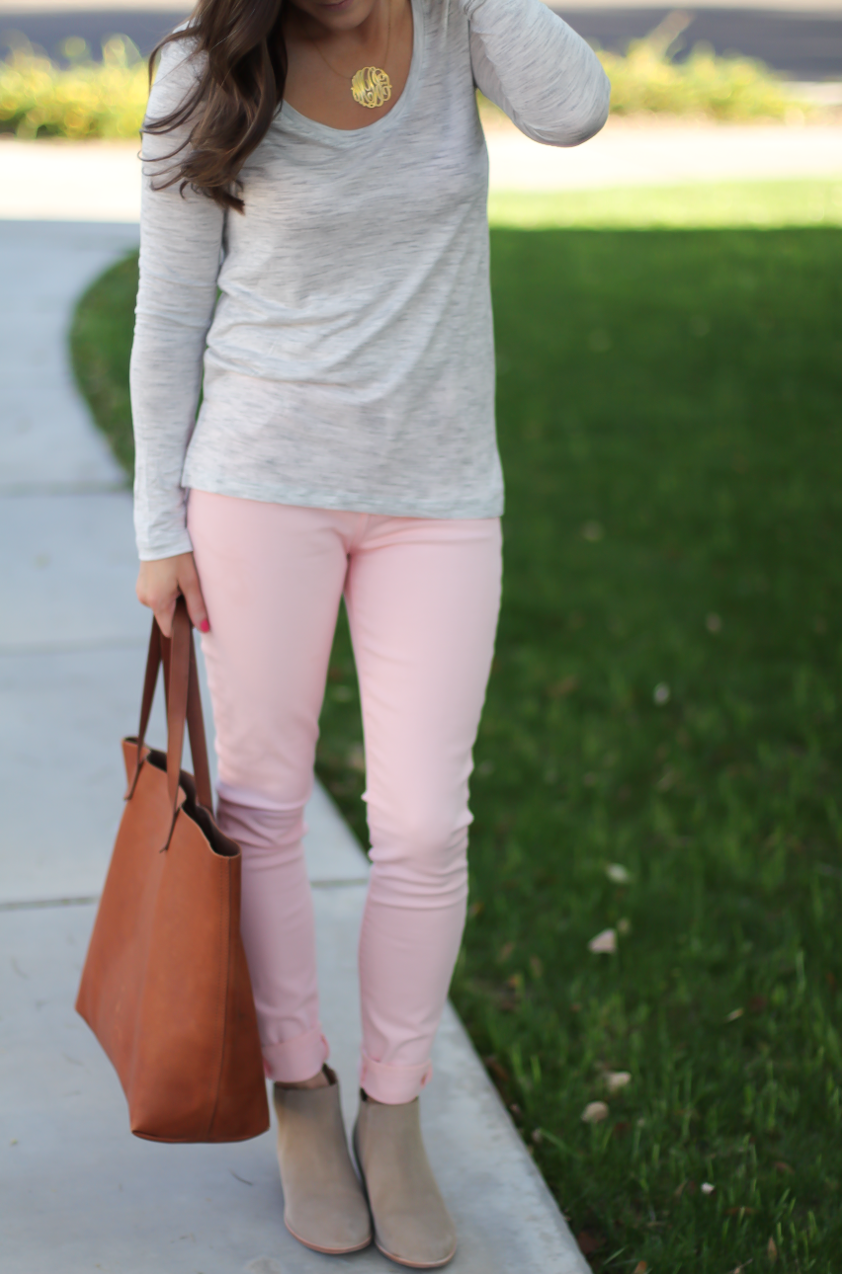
column 294, row 1060
column 393, row 1085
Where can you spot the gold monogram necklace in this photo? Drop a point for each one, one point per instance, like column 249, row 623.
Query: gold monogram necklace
column 370, row 86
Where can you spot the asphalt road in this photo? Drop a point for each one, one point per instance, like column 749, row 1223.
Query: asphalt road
column 807, row 46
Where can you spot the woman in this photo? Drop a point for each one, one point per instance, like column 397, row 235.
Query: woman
column 319, row 167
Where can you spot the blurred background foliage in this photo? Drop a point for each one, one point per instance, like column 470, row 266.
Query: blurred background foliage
column 647, row 80
column 87, row 99
column 106, row 99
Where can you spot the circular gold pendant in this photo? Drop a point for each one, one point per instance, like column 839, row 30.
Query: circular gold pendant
column 371, row 87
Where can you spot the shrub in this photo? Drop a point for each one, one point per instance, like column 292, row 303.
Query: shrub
column 88, row 99
column 107, row 99
column 647, row 80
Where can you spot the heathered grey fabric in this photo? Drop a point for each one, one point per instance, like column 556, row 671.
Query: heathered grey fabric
column 349, row 361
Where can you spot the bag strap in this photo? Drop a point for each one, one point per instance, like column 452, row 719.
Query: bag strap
column 196, row 731
column 153, row 663
column 184, row 703
column 178, row 681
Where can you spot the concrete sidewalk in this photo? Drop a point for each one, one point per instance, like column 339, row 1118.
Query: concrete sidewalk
column 78, row 1192
column 100, row 181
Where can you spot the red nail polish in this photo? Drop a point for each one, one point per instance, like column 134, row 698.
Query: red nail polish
column 204, row 627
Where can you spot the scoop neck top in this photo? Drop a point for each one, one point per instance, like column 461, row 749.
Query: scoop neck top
column 294, row 121
column 339, row 332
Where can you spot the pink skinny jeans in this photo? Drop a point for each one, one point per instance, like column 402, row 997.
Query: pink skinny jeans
column 422, row 597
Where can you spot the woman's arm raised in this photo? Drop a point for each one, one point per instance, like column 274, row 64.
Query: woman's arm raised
column 180, row 246
column 536, row 68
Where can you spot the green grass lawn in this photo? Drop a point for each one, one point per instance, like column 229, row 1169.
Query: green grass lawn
column 716, row 205
column 660, row 750
column 100, row 349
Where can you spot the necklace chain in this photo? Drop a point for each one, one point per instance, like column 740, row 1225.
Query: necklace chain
column 370, row 85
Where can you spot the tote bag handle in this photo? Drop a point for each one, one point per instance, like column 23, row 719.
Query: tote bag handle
column 184, row 703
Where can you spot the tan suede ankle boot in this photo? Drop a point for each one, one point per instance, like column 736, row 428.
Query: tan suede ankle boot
column 324, row 1203
column 412, row 1226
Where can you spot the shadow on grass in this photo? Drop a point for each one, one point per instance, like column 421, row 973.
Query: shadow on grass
column 665, row 698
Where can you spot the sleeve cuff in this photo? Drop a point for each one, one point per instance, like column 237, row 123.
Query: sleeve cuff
column 155, row 551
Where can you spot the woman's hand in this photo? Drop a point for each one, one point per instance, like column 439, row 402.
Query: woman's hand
column 159, row 584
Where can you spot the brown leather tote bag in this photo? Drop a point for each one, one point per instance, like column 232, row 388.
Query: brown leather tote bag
column 166, row 987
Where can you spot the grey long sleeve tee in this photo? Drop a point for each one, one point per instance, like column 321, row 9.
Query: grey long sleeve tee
column 349, row 358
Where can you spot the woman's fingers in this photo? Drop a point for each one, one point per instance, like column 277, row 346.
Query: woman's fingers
column 160, row 583
column 164, row 615
column 191, row 588
column 159, row 594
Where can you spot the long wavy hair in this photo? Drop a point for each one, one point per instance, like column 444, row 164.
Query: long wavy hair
column 240, row 50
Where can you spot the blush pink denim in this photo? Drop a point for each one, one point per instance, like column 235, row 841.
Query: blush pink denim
column 422, row 597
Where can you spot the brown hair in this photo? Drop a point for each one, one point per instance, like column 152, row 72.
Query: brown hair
column 243, row 61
